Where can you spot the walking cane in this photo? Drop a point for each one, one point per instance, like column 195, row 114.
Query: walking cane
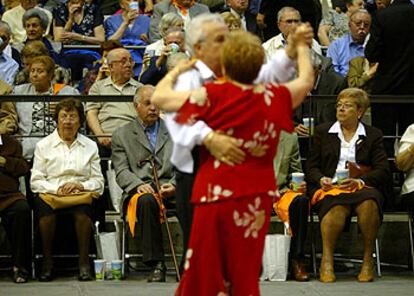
column 170, row 241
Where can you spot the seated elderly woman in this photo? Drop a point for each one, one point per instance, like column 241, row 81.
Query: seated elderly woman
column 405, row 162
column 34, row 49
column 348, row 143
column 35, row 22
column 14, row 209
column 36, row 118
column 67, row 176
column 77, row 22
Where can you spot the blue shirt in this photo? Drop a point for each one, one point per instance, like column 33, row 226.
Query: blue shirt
column 151, row 132
column 140, row 26
column 8, row 68
column 341, row 51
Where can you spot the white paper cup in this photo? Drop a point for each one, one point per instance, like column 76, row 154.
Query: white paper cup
column 297, row 178
column 99, row 269
column 341, row 175
column 116, row 267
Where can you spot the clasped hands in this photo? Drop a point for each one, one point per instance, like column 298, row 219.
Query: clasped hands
column 70, row 188
column 347, row 184
column 167, row 190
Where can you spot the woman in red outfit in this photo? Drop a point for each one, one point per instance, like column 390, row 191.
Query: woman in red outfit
column 233, row 203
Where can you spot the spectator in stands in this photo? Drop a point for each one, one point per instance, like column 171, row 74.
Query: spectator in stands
column 157, row 68
column 35, row 24
column 8, row 66
column 405, row 162
column 8, row 114
column 105, row 117
column 14, row 18
column 174, row 59
column 66, row 163
column 130, row 28
column 77, row 22
column 391, row 46
column 133, row 145
column 186, row 9
column 309, row 10
column 214, row 5
column 232, row 21
column 288, row 18
column 239, row 8
column 14, row 209
column 381, row 4
column 348, row 143
column 36, row 118
column 34, row 49
column 293, row 205
column 336, row 24
column 167, row 21
column 351, row 45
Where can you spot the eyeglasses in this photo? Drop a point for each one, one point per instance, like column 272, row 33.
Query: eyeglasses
column 345, row 106
column 292, row 21
column 361, row 24
column 124, row 62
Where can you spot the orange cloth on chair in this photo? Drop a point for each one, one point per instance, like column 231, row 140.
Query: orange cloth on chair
column 132, row 210
column 183, row 9
column 281, row 206
column 321, row 194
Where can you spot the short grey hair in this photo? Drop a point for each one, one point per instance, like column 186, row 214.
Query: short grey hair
column 140, row 91
column 167, row 21
column 195, row 32
column 285, row 9
column 5, row 26
column 35, row 12
column 361, row 10
column 113, row 53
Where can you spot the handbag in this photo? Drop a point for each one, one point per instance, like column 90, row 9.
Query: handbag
column 276, row 257
column 65, row 201
column 356, row 170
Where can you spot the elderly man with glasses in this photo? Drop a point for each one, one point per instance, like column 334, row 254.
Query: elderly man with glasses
column 351, row 45
column 288, row 18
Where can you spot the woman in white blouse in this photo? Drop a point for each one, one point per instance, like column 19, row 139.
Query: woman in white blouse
column 66, row 163
column 405, row 162
column 336, row 146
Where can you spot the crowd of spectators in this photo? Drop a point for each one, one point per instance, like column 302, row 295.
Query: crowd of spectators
column 49, row 48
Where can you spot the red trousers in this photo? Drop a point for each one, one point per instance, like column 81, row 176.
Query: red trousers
column 225, row 252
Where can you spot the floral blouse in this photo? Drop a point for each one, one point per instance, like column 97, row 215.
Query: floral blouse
column 92, row 18
column 254, row 116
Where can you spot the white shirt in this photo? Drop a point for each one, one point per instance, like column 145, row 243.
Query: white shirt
column 272, row 45
column 185, row 137
column 242, row 19
column 406, row 141
column 56, row 164
column 347, row 148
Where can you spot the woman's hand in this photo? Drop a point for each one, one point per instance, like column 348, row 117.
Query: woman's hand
column 350, row 184
column 224, row 148
column 74, row 8
column 131, row 16
column 326, row 183
column 69, row 188
column 70, row 36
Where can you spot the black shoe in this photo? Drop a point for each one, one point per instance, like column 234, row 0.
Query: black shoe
column 85, row 273
column 47, row 274
column 157, row 274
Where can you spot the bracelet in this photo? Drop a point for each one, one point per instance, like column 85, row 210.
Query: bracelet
column 208, row 138
column 83, row 37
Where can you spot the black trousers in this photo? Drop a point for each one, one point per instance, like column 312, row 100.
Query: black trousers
column 298, row 214
column 148, row 216
column 408, row 201
column 184, row 207
column 16, row 222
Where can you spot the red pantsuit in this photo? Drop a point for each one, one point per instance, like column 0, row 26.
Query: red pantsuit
column 233, row 203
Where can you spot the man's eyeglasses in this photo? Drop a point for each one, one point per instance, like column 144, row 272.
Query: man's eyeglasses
column 361, row 23
column 292, row 21
column 125, row 62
